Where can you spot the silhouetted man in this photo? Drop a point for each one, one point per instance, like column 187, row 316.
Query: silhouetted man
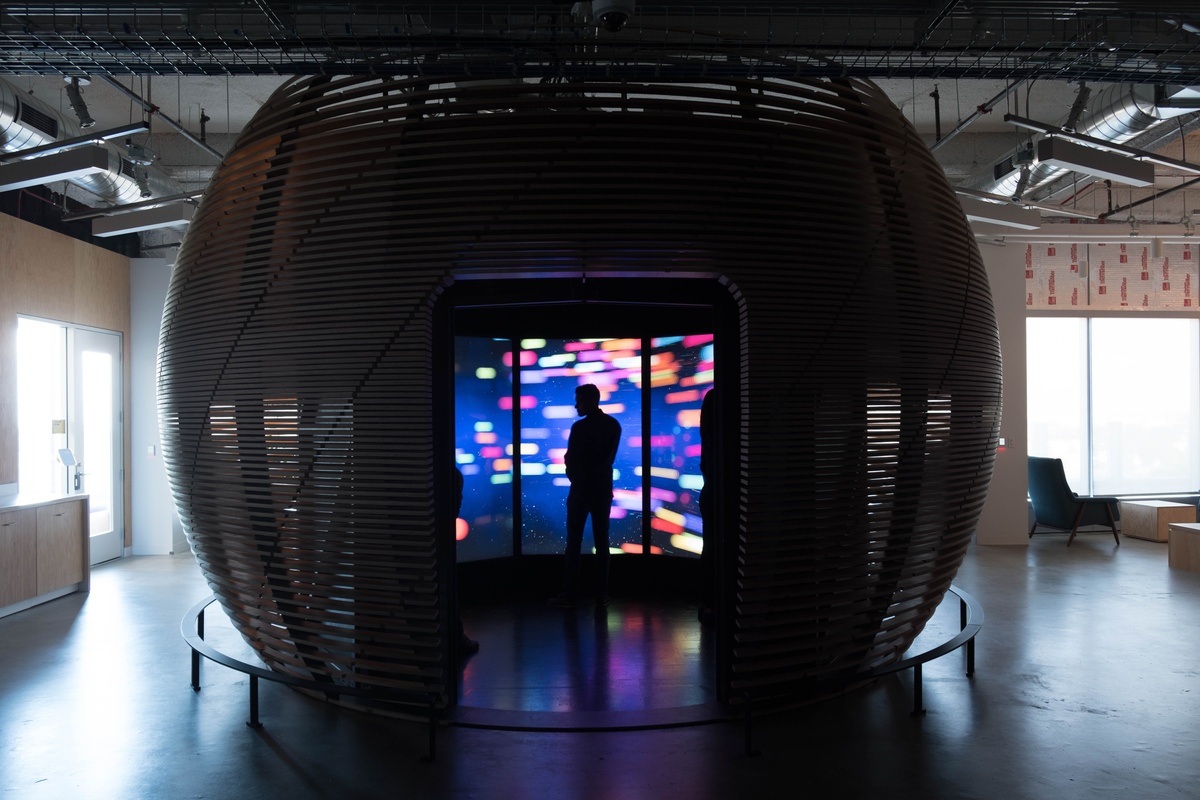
column 591, row 450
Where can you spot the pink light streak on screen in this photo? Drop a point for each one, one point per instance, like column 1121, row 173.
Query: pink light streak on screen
column 527, row 401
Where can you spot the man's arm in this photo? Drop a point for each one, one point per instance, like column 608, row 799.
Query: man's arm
column 615, row 444
column 569, row 459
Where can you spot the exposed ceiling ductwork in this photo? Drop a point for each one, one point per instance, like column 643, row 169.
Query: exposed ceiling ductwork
column 26, row 122
column 1116, row 114
column 222, row 60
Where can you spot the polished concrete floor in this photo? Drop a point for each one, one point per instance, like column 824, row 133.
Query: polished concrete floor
column 1086, row 686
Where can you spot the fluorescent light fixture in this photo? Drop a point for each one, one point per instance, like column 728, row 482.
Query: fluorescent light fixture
column 144, row 220
column 1111, row 147
column 1057, row 211
column 93, row 137
column 1068, row 155
column 1008, row 215
column 1111, row 233
column 75, row 163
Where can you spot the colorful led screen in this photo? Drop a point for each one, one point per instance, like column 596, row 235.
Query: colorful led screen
column 666, row 468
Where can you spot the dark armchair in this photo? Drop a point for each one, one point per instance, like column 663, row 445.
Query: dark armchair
column 1056, row 506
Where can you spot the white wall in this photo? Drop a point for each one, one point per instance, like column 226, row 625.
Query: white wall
column 156, row 525
column 1005, row 518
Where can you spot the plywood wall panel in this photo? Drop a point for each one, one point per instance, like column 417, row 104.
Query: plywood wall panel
column 49, row 275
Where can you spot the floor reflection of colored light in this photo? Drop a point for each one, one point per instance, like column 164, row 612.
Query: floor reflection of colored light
column 633, row 547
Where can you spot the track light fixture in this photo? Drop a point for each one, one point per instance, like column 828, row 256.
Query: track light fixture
column 1077, row 108
column 77, row 103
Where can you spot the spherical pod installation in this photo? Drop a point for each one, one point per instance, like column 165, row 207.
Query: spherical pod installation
column 298, row 392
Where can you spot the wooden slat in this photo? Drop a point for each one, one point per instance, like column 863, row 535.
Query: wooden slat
column 297, row 389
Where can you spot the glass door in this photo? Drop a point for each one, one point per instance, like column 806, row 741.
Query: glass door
column 69, row 423
column 94, row 436
column 41, row 407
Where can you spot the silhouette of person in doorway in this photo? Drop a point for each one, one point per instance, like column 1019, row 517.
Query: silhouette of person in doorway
column 591, row 451
column 466, row 645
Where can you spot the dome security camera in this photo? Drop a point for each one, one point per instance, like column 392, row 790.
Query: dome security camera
column 612, row 14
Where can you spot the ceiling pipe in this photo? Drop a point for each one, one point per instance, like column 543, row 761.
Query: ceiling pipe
column 1128, row 206
column 986, row 108
column 154, row 110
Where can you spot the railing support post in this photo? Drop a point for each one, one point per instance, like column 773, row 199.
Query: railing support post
column 196, row 654
column 918, row 698
column 253, row 722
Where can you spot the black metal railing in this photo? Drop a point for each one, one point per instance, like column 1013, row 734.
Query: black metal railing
column 970, row 620
column 192, row 628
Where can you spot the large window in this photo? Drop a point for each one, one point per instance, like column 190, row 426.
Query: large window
column 1056, row 366
column 1118, row 400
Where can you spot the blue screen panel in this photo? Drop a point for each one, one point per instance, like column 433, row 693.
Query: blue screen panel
column 681, row 371
column 482, row 446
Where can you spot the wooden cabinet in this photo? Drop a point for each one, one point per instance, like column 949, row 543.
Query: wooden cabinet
column 43, row 550
column 60, row 557
column 18, row 555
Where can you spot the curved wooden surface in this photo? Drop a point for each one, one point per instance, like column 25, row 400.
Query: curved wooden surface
column 299, row 398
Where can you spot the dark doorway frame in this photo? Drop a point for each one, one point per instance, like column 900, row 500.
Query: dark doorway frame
column 584, row 305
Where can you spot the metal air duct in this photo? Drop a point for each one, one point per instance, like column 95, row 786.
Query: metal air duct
column 1117, row 114
column 27, row 122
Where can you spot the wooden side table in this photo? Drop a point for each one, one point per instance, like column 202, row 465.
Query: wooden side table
column 1183, row 546
column 1149, row 519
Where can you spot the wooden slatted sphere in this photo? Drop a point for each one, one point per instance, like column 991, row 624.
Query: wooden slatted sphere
column 298, row 394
